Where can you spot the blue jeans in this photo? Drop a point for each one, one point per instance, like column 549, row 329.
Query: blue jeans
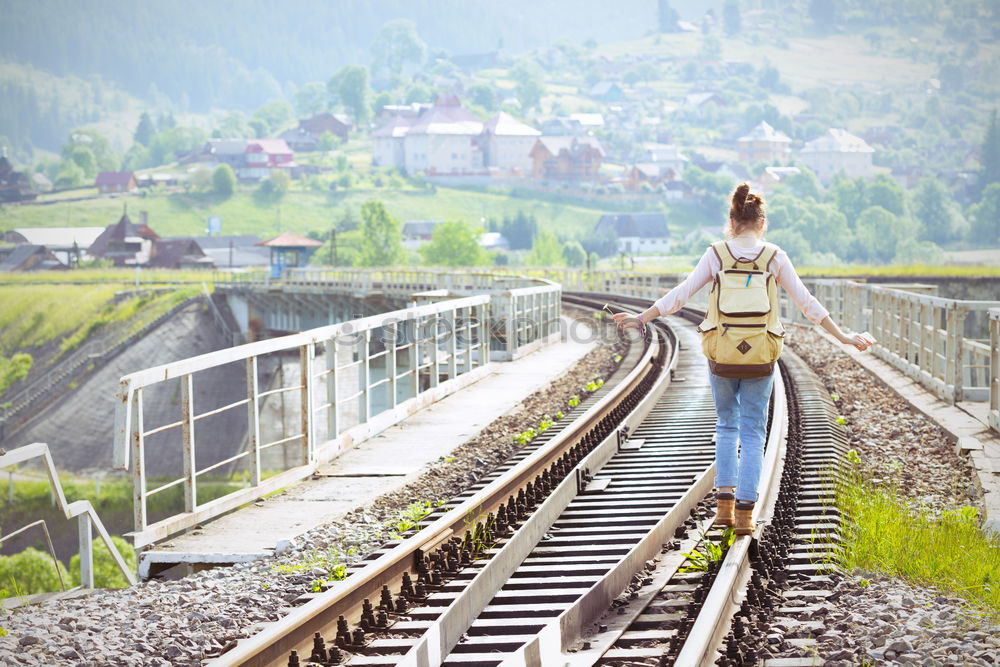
column 740, row 431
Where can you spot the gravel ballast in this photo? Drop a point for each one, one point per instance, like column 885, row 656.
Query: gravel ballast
column 869, row 618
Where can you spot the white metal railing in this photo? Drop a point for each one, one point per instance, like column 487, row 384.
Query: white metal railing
column 351, row 380
column 87, row 519
column 994, row 415
column 941, row 343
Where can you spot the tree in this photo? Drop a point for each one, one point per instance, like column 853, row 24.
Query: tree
column 574, row 254
column 482, row 95
column 419, row 92
column 603, row 243
column 224, row 180
column 936, row 212
column 31, row 571
column 667, row 16
column 13, row 369
column 350, row 85
column 312, row 98
column 381, row 243
column 70, row 175
column 545, row 251
column 804, row 184
column 878, row 234
column 849, row 197
column 519, row 231
column 731, row 19
column 275, row 114
column 106, row 572
column 85, row 160
column 454, row 243
column 984, row 218
column 397, row 43
column 530, row 88
column 234, row 126
column 990, row 158
column 145, row 130
column 886, row 192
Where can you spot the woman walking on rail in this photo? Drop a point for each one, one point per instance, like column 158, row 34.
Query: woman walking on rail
column 742, row 338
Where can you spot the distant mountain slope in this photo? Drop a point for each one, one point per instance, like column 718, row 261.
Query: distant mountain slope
column 239, row 53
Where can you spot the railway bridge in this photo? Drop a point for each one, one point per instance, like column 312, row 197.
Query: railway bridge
column 608, row 501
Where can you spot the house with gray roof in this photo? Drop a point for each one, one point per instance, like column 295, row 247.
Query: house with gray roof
column 638, row 233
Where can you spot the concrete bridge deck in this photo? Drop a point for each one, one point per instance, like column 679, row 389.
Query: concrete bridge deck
column 383, row 463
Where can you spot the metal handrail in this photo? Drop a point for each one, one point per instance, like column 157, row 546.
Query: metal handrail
column 459, row 351
column 994, row 414
column 82, row 510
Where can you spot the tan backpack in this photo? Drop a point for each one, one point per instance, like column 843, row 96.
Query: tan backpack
column 742, row 334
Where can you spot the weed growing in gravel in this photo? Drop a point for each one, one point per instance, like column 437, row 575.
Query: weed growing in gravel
column 573, row 401
column 882, row 532
column 708, row 552
column 410, row 517
column 593, row 385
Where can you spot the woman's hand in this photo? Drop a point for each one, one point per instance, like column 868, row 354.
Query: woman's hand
column 862, row 341
column 626, row 321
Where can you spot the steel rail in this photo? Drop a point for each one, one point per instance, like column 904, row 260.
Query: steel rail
column 445, row 632
column 724, row 597
column 295, row 631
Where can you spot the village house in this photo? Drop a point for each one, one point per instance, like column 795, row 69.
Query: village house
column 763, row 144
column 116, row 182
column 69, row 244
column 125, row 243
column 252, row 159
column 233, row 251
column 299, row 140
column 444, row 140
column 606, row 91
column 837, row 151
column 28, row 257
column 507, row 144
column 336, row 124
column 637, row 233
column 645, row 172
column 13, row 184
column 566, row 158
column 183, row 253
column 418, row 232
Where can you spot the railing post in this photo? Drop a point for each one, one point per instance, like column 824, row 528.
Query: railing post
column 86, row 550
column 956, row 336
column 469, row 347
column 390, row 362
column 452, row 344
column 413, row 357
column 994, row 414
column 509, row 301
column 332, row 391
column 188, row 444
column 253, row 420
column 138, row 463
column 435, row 322
column 306, row 355
column 365, row 406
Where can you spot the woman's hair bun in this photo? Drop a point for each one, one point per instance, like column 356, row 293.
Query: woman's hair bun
column 740, row 196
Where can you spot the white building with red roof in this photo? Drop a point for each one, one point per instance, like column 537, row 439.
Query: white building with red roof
column 252, row 159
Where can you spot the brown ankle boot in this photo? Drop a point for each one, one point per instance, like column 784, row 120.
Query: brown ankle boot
column 725, row 504
column 744, row 518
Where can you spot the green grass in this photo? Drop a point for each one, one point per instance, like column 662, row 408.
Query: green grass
column 123, row 278
column 34, row 314
column 947, row 551
column 181, row 214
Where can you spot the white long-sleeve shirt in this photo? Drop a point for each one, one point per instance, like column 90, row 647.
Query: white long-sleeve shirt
column 745, row 246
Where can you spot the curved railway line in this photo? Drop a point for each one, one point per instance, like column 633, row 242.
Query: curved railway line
column 571, row 552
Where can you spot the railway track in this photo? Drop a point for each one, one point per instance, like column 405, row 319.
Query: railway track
column 570, row 553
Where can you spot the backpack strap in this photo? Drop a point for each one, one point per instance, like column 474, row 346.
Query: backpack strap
column 767, row 256
column 726, row 259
